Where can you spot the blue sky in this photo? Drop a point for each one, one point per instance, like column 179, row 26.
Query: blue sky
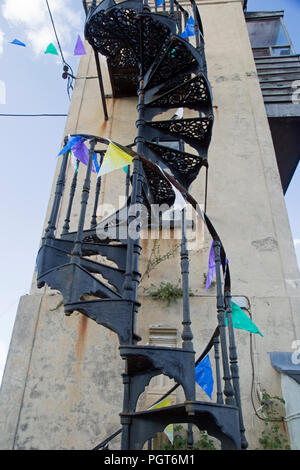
column 29, row 145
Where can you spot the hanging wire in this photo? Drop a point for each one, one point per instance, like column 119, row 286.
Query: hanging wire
column 68, row 73
column 33, row 115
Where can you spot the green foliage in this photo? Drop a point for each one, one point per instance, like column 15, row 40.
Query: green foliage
column 180, row 441
column 272, row 437
column 166, row 292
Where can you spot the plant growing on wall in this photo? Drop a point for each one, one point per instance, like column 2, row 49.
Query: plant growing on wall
column 157, row 258
column 166, row 292
column 180, row 441
column 271, row 437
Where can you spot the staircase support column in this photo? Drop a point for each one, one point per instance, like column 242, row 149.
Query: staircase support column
column 132, row 276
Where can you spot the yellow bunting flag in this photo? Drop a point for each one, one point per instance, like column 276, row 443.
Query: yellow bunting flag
column 169, row 430
column 114, row 159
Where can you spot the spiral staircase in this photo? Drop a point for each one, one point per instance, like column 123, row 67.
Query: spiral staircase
column 147, row 58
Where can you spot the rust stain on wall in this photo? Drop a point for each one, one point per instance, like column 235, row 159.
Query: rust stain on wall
column 81, row 337
column 103, row 128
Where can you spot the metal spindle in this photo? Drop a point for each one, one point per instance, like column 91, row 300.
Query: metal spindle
column 127, row 182
column 178, row 19
column 77, row 251
column 132, row 276
column 196, row 24
column 84, row 4
column 49, row 233
column 190, row 437
column 235, row 368
column 172, row 9
column 228, row 389
column 216, row 343
column 66, row 226
column 187, row 335
column 97, row 195
column 101, row 86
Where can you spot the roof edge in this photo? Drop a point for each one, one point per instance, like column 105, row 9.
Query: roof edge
column 264, row 14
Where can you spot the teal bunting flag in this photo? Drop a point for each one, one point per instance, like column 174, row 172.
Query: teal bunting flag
column 241, row 321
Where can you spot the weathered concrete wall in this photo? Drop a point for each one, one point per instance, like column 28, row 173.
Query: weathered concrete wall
column 62, row 385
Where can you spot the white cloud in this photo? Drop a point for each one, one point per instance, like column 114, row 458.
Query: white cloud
column 1, row 41
column 297, row 241
column 34, row 24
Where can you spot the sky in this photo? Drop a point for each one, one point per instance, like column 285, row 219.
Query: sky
column 31, row 83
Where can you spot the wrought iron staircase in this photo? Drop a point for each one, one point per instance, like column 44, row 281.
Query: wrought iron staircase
column 148, row 58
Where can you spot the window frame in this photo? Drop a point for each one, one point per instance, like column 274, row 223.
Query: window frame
column 271, row 48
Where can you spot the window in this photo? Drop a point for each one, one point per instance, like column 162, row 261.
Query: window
column 268, row 37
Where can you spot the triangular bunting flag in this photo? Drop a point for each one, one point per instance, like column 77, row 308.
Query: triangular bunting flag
column 16, row 42
column 189, row 29
column 241, row 321
column 72, row 141
column 211, row 267
column 204, row 376
column 80, row 152
column 179, row 202
column 114, row 159
column 169, row 430
column 79, row 48
column 51, row 49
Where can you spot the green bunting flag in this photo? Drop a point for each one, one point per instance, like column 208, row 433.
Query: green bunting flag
column 241, row 320
column 51, row 49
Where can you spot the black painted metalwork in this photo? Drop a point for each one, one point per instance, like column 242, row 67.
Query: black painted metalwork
column 147, row 58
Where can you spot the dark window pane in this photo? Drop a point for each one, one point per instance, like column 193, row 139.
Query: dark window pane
column 268, row 32
column 261, row 52
column 281, row 51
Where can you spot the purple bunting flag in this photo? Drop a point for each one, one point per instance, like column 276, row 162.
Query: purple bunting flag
column 79, row 48
column 211, row 267
column 80, row 151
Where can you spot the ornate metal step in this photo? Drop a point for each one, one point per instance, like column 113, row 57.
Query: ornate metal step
column 184, row 166
column 220, row 421
column 193, row 131
column 57, row 247
column 178, row 57
column 74, row 281
column 116, row 315
column 126, row 27
column 194, row 93
column 160, row 189
column 113, row 275
column 145, row 362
